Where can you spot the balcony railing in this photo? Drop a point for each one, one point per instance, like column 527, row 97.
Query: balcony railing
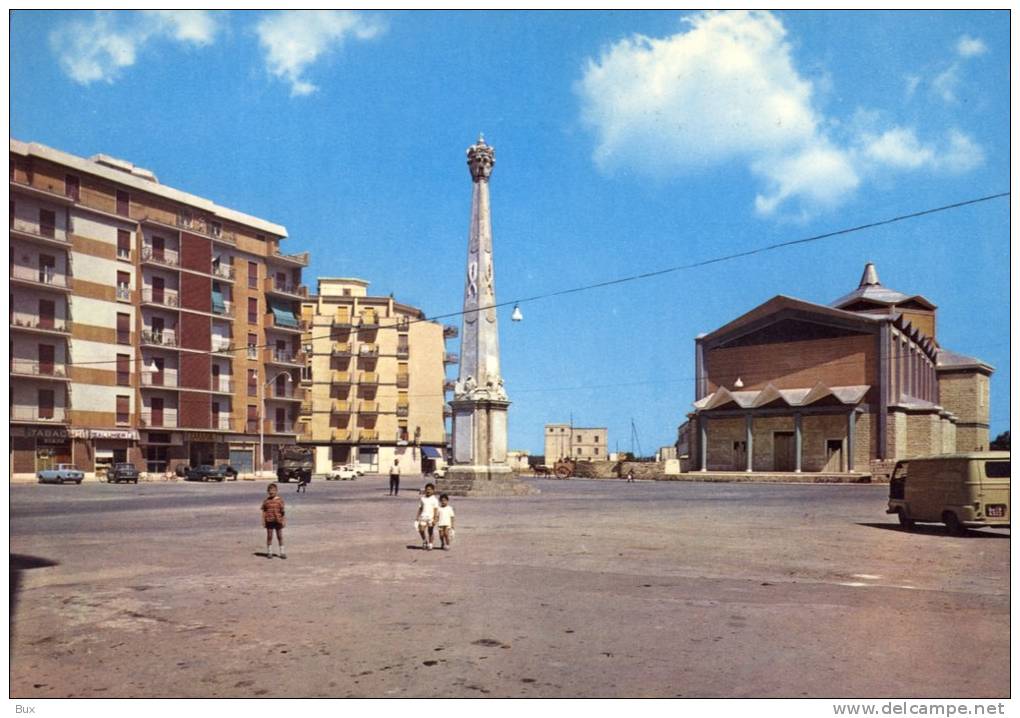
column 447, row 410
column 46, row 276
column 286, row 391
column 204, row 225
column 341, row 407
column 162, row 299
column 403, row 352
column 159, row 380
column 167, row 420
column 49, row 370
column 342, row 319
column 223, row 422
column 449, row 385
column 368, row 407
column 164, row 338
column 164, row 257
column 341, row 377
column 222, row 385
column 49, row 325
column 369, row 319
column 342, row 350
column 368, row 377
column 299, row 259
column 368, row 435
column 450, row 331
column 224, row 271
column 283, row 356
column 368, row 350
column 340, row 435
column 271, row 285
column 403, row 410
column 222, row 345
column 224, row 308
column 271, row 426
column 51, row 235
column 286, row 325
column 403, row 380
column 450, row 358
column 403, row 324
column 55, row 415
column 123, row 293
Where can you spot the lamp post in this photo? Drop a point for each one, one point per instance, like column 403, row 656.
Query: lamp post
column 262, row 418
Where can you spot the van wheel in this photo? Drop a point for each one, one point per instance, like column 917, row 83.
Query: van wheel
column 905, row 520
column 953, row 525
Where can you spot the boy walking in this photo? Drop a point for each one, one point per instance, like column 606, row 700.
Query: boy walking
column 273, row 519
column 444, row 522
column 428, row 506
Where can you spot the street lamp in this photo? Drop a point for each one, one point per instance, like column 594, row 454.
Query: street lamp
column 262, row 417
column 516, row 315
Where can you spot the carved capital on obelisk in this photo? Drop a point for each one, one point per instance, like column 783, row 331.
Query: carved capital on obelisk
column 480, row 159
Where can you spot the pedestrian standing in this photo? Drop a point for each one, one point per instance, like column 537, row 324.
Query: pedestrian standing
column 395, row 478
column 274, row 519
column 630, row 476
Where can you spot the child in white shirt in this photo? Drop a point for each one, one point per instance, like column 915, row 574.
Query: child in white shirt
column 444, row 522
column 427, row 507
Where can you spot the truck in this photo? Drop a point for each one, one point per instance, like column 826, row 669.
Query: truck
column 296, row 462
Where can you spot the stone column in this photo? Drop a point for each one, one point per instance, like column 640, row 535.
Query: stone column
column 750, row 443
column 798, row 440
column 703, row 441
column 851, row 420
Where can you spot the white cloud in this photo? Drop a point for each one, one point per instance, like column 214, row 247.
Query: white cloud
column 968, row 46
column 945, row 83
column 726, row 90
column 98, row 48
column 294, row 39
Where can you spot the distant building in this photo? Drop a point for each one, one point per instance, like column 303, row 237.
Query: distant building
column 377, row 372
column 563, row 441
column 850, row 387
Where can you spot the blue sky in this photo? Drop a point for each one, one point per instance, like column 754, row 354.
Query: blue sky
column 625, row 142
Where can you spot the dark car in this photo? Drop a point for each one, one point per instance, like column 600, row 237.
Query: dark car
column 229, row 471
column 122, row 472
column 206, row 472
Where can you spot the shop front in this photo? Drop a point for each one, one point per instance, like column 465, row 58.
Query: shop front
column 34, row 448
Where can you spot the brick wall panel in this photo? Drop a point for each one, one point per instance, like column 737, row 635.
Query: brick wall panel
column 196, row 292
column 196, row 332
column 196, row 252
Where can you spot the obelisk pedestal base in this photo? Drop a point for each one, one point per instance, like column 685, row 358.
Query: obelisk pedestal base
column 466, row 480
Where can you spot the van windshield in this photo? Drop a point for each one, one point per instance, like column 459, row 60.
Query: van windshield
column 997, row 469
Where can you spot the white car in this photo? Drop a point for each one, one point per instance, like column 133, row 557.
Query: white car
column 356, row 468
column 439, row 473
column 344, row 473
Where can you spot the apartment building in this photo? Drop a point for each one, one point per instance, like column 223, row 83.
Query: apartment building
column 564, row 441
column 378, row 380
column 139, row 314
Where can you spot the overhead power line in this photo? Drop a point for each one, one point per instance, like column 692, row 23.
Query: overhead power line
column 636, row 277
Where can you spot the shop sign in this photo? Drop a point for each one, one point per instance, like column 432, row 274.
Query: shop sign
column 128, row 434
column 40, row 432
column 203, row 437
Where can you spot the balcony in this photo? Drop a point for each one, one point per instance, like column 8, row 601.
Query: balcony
column 368, row 351
column 53, row 415
column 204, row 225
column 342, row 378
column 403, row 351
column 123, row 293
column 450, row 331
column 341, row 435
column 341, row 407
column 221, row 345
column 224, row 422
column 222, row 385
column 39, row 234
column 368, row 407
column 171, row 300
column 341, row 351
column 403, row 410
column 160, row 257
column 307, row 407
column 403, row 380
column 403, row 324
column 166, row 338
column 368, row 377
column 165, row 420
column 270, row 285
column 37, row 324
column 294, row 325
column 38, row 370
column 342, row 320
column 46, row 277
column 368, row 435
column 450, row 358
column 158, row 380
column 271, row 426
column 286, row 392
column 447, row 410
column 283, row 356
column 224, row 308
column 449, row 385
column 295, row 260
column 369, row 320
column 223, row 271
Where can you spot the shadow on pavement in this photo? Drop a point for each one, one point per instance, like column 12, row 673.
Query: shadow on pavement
column 937, row 530
column 19, row 564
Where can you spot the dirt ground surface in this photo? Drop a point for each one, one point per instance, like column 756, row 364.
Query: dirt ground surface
column 591, row 588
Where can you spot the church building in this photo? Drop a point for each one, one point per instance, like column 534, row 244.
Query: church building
column 846, row 388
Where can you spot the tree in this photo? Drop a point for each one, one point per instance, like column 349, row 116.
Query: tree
column 1001, row 442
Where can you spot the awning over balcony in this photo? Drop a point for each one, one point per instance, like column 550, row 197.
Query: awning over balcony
column 283, row 314
column 218, row 305
column 770, row 396
column 431, row 452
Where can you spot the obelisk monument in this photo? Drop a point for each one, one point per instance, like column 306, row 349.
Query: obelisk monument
column 480, row 401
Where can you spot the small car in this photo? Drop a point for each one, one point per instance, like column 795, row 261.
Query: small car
column 439, row 473
column 229, row 471
column 60, row 475
column 356, row 468
column 205, row 472
column 122, row 472
column 344, row 473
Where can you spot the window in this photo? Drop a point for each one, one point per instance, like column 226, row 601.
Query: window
column 253, row 310
column 123, row 370
column 47, row 222
column 124, row 286
column 45, row 399
column 253, row 419
column 123, row 409
column 123, row 328
column 596, row 451
column 123, row 244
column 578, row 451
column 596, row 439
column 253, row 346
column 123, row 203
column 253, row 382
column 253, row 275
column 579, row 437
column 72, row 187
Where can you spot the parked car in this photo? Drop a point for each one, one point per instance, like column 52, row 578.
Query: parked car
column 122, row 472
column 439, row 473
column 356, row 468
column 206, row 472
column 60, row 475
column 344, row 473
column 229, row 471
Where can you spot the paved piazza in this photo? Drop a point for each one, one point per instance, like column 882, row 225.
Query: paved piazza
column 588, row 589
